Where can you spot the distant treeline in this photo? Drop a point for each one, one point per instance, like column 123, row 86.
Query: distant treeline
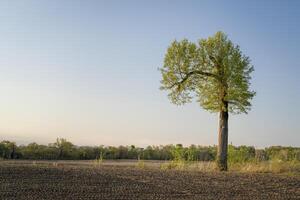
column 65, row 150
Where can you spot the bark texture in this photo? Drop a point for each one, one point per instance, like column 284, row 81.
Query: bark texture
column 223, row 140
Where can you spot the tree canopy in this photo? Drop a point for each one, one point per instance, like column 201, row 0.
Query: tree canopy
column 214, row 70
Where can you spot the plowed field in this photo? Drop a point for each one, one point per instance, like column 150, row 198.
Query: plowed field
column 34, row 181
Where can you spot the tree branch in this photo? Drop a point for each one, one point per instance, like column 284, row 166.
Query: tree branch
column 233, row 102
column 196, row 72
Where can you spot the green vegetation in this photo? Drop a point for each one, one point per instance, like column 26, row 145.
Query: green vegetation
column 275, row 159
column 65, row 150
column 216, row 73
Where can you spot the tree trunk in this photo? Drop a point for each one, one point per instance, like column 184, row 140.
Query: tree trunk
column 223, row 140
column 12, row 155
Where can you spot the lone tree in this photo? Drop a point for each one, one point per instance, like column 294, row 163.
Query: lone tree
column 216, row 73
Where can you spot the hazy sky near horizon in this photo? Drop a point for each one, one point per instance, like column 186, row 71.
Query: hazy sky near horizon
column 88, row 71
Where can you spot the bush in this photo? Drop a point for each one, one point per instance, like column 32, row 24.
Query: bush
column 283, row 153
column 260, row 155
column 240, row 154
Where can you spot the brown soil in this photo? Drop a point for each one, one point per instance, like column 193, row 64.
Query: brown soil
column 32, row 181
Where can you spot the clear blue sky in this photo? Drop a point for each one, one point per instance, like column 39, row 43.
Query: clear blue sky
column 87, row 71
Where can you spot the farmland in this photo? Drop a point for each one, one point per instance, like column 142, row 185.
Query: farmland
column 126, row 180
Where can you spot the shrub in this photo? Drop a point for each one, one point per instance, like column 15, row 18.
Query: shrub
column 240, row 154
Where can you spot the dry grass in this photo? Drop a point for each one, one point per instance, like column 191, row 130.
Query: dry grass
column 272, row 166
column 141, row 164
column 292, row 167
column 192, row 166
column 277, row 167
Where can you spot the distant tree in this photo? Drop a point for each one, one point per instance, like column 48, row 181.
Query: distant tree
column 132, row 152
column 64, row 147
column 216, row 73
column 8, row 149
column 123, row 152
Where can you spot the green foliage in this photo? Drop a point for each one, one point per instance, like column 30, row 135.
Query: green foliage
column 178, row 158
column 178, row 153
column 191, row 153
column 240, row 154
column 261, row 155
column 214, row 71
column 65, row 150
column 283, row 153
column 36, row 151
column 8, row 150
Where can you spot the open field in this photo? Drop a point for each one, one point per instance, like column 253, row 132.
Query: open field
column 124, row 180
